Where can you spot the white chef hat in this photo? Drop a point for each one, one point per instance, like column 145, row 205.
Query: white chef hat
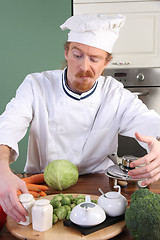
column 96, row 30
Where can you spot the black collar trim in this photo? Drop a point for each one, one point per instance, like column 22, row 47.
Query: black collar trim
column 71, row 93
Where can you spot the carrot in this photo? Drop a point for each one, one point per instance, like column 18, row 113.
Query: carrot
column 35, row 194
column 40, row 187
column 31, row 187
column 19, row 192
column 37, row 178
column 42, row 193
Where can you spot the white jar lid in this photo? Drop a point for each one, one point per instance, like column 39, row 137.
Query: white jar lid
column 42, row 202
column 25, row 197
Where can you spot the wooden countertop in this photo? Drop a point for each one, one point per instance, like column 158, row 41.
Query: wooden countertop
column 89, row 184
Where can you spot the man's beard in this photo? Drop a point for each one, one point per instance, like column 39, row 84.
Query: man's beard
column 83, row 85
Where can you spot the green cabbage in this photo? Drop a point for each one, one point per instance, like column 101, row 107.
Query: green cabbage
column 61, row 174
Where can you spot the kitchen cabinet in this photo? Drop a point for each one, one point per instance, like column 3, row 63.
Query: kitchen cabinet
column 139, row 41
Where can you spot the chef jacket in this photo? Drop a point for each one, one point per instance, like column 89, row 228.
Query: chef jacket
column 82, row 128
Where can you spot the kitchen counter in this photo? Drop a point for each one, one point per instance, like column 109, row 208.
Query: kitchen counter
column 88, row 184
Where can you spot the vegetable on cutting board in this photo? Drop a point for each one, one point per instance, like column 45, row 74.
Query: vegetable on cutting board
column 61, row 174
column 34, row 186
column 36, row 178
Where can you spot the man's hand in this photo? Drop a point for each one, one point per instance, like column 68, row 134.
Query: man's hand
column 151, row 161
column 9, row 184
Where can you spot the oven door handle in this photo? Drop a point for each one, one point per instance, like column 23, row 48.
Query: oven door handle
column 141, row 93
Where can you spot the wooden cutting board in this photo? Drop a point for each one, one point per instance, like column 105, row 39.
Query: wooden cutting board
column 58, row 231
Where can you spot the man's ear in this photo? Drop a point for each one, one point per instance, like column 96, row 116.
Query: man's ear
column 66, row 54
column 108, row 60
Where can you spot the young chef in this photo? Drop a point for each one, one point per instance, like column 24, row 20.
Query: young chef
column 76, row 114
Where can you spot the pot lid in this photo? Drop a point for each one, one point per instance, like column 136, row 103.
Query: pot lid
column 112, row 195
column 115, row 171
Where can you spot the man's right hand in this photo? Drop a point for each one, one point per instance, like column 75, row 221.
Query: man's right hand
column 9, row 185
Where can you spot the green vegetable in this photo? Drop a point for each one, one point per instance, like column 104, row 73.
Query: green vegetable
column 55, row 203
column 70, row 196
column 80, row 200
column 73, row 205
column 66, row 201
column 61, row 174
column 68, row 215
column 67, row 207
column 94, row 201
column 61, row 212
column 143, row 215
column 55, row 218
column 58, row 197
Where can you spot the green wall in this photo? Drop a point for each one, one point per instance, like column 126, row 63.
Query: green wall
column 30, row 41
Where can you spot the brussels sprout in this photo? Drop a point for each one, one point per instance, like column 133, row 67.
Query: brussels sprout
column 61, row 174
column 55, row 211
column 80, row 196
column 68, row 215
column 67, row 207
column 61, row 213
column 73, row 205
column 58, row 197
column 71, row 197
column 55, row 203
column 66, row 201
column 94, row 201
column 55, row 218
column 80, row 200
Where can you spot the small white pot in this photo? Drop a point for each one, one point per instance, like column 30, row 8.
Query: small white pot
column 113, row 203
column 87, row 214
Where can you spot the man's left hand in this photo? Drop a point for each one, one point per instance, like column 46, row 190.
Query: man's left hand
column 150, row 169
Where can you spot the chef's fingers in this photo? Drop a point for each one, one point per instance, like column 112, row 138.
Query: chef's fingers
column 146, row 171
column 145, row 139
column 151, row 180
column 23, row 187
column 145, row 174
column 13, row 207
column 144, row 160
column 148, row 180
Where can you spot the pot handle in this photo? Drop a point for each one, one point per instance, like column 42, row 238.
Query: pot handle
column 119, row 188
column 87, row 198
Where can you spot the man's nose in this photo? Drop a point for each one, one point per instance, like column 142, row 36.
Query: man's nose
column 84, row 64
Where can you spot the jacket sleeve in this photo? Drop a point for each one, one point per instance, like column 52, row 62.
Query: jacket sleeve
column 15, row 120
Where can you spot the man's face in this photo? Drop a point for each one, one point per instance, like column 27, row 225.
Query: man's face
column 85, row 65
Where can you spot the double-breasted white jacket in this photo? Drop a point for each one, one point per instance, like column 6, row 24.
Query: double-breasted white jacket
column 64, row 125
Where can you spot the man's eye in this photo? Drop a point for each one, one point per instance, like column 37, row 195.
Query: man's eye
column 77, row 55
column 94, row 59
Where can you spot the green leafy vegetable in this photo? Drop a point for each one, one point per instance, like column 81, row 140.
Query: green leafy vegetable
column 143, row 215
column 61, row 174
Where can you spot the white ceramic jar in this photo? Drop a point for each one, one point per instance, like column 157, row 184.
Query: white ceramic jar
column 27, row 202
column 42, row 215
column 113, row 203
column 87, row 214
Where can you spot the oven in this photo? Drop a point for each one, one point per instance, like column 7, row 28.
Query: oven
column 145, row 83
